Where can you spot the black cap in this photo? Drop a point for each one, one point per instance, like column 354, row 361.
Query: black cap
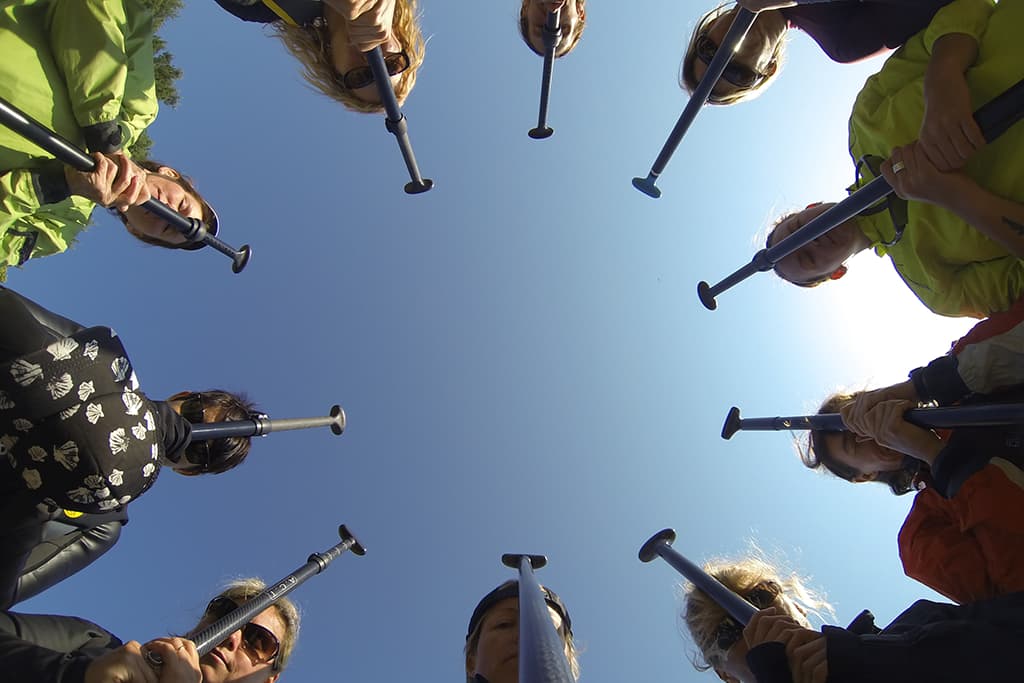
column 510, row 589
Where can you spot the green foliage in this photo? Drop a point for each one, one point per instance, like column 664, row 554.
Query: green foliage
column 166, row 73
column 143, row 147
column 163, row 10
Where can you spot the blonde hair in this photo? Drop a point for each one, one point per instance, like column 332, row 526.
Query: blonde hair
column 704, row 617
column 574, row 39
column 689, row 82
column 241, row 590
column 571, row 653
column 311, row 45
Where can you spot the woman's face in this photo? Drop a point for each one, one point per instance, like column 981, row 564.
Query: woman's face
column 345, row 57
column 754, row 51
column 537, row 15
column 820, row 257
column 862, row 455
column 496, row 657
column 164, row 187
column 231, row 662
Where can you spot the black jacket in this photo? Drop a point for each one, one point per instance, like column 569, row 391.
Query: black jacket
column 301, row 12
column 930, row 642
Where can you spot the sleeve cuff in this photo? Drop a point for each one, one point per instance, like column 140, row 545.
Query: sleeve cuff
column 768, row 663
column 50, row 184
column 940, row 381
column 959, row 16
column 843, row 654
column 103, row 137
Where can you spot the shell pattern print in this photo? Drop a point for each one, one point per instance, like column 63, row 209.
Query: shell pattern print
column 74, row 428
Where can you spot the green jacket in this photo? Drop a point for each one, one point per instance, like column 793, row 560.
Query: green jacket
column 83, row 68
column 951, row 267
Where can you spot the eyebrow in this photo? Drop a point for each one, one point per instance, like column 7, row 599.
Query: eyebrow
column 504, row 612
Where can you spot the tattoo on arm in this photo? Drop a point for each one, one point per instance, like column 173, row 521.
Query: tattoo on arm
column 1014, row 225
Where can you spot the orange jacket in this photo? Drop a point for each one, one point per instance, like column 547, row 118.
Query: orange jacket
column 969, row 547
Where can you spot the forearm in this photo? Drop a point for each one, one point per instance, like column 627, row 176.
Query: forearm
column 952, row 54
column 24, row 191
column 87, row 38
column 49, row 649
column 35, row 219
column 1001, row 220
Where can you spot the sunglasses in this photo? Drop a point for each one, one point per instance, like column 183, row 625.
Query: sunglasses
column 193, row 409
column 362, row 76
column 737, row 74
column 730, row 631
column 259, row 643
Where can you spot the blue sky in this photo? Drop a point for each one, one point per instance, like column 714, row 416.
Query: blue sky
column 520, row 352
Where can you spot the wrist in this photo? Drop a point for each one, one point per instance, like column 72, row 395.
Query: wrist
column 73, row 180
column 906, row 391
column 927, row 449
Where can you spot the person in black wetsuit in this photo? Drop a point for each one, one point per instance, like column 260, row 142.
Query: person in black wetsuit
column 78, row 434
column 60, row 649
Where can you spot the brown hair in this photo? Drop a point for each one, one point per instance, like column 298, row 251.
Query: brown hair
column 574, row 39
column 311, row 45
column 209, row 216
column 227, row 452
column 688, row 81
column 817, row 455
column 775, row 267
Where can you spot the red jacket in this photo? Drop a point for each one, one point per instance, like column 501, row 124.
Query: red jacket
column 964, row 536
column 969, row 547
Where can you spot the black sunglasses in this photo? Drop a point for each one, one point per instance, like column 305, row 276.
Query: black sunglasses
column 362, row 76
column 259, row 643
column 737, row 74
column 193, row 409
column 730, row 631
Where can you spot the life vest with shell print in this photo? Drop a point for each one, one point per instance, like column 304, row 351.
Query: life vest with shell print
column 74, row 428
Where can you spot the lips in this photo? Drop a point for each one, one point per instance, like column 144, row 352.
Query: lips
column 223, row 660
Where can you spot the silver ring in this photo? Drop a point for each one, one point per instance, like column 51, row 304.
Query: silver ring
column 153, row 659
column 898, row 166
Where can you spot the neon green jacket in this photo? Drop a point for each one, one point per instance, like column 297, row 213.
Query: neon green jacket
column 83, row 68
column 951, row 267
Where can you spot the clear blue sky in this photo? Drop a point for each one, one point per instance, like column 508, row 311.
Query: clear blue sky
column 521, row 354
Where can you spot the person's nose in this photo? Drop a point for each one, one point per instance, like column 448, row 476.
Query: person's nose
column 233, row 641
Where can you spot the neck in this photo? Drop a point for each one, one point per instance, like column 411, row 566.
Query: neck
column 860, row 240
